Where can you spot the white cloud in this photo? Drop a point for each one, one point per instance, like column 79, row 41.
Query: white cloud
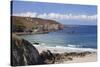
column 58, row 16
column 27, row 14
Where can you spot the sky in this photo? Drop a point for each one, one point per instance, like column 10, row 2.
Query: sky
column 63, row 13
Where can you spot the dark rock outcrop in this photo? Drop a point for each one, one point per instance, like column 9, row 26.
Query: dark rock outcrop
column 23, row 53
column 47, row 57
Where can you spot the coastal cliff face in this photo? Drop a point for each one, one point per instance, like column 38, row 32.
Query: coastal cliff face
column 23, row 52
column 34, row 25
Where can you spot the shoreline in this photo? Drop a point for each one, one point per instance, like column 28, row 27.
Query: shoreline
column 60, row 49
column 88, row 55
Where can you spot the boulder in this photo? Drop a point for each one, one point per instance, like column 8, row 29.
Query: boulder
column 47, row 57
column 23, row 52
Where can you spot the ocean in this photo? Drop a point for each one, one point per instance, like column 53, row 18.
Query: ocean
column 73, row 36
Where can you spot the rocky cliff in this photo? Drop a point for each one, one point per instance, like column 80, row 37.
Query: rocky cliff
column 34, row 25
column 23, row 52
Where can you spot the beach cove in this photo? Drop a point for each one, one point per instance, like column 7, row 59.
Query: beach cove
column 77, row 50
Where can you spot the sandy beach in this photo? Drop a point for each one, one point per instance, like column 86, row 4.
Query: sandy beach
column 87, row 58
column 92, row 57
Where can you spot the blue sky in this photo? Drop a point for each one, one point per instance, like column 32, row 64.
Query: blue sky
column 60, row 11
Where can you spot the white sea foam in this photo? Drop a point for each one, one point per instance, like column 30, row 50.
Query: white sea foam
column 43, row 44
column 71, row 48
column 74, row 46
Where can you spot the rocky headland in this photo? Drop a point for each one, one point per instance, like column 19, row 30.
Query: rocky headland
column 28, row 25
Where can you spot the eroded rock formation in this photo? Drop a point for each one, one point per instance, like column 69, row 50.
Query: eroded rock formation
column 23, row 53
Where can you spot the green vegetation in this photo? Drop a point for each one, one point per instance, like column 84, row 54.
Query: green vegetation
column 17, row 26
column 35, row 27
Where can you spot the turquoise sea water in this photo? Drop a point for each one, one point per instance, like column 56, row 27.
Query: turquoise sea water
column 78, row 36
